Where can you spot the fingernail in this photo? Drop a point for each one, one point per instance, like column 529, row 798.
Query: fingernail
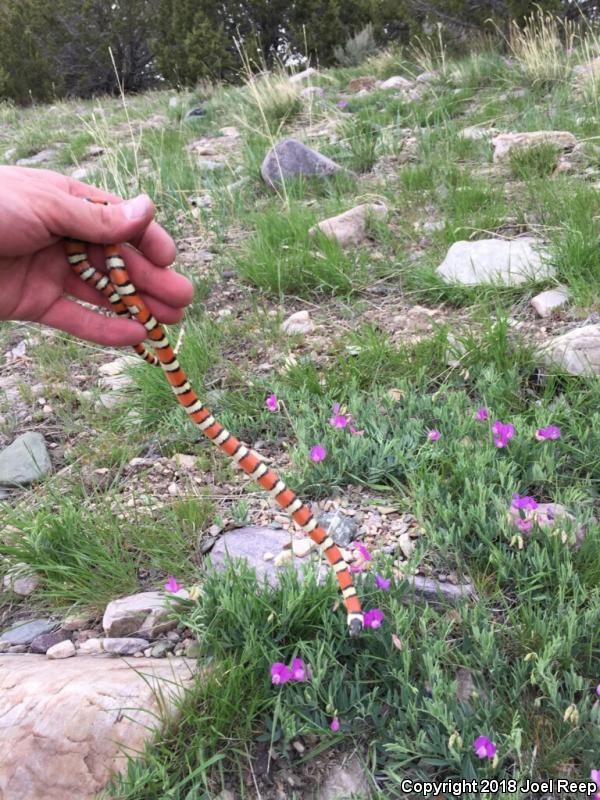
column 138, row 207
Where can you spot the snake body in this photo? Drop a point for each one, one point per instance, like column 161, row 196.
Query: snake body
column 124, row 299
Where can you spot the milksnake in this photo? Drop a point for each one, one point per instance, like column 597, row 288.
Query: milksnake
column 124, row 300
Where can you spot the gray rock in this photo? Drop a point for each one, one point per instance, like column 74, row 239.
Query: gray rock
column 342, row 529
column 38, row 158
column 547, row 302
column 21, row 580
column 577, row 352
column 25, row 632
column 350, row 227
column 146, row 613
column 161, row 649
column 25, row 460
column 494, row 261
column 430, row 589
column 505, row 143
column 43, row 642
column 396, row 82
column 126, row 646
column 17, row 648
column 195, row 112
column 292, row 159
column 346, row 780
column 250, row 544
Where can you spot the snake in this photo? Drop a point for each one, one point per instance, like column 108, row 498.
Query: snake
column 124, row 300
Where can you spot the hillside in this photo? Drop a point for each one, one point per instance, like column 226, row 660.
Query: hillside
column 441, row 346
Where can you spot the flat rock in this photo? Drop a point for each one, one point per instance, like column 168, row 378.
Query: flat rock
column 251, row 544
column 25, row 460
column 25, row 632
column 21, row 580
column 64, row 649
column 298, row 77
column 396, row 82
column 300, row 322
column 504, row 143
column 125, row 646
column 43, row 642
column 430, row 589
column 494, row 261
column 292, row 159
column 546, row 302
column 38, row 158
column 577, row 352
column 65, row 727
column 345, row 780
column 350, row 227
column 146, row 613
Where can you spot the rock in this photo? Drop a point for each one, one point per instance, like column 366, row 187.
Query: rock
column 494, row 261
column 577, row 352
column 345, row 780
column 426, row 77
column 161, row 649
column 283, row 558
column 396, row 82
column 365, row 82
column 184, row 460
column 548, row 515
column 146, row 613
column 406, row 544
column 298, row 77
column 64, row 649
column 465, row 688
column 250, row 544
column 25, row 632
column 173, row 102
column 300, row 322
column 302, row 547
column 114, row 372
column 191, row 648
column 91, row 647
column 124, row 646
column 589, row 70
column 38, row 158
column 21, row 580
column 546, row 302
column 432, row 590
column 25, row 460
column 75, row 622
column 475, row 134
column 350, row 227
column 201, row 201
column 342, row 529
column 292, row 159
column 504, row 143
column 43, row 642
column 95, row 150
column 65, row 728
column 230, row 132
column 17, row 648
column 195, row 112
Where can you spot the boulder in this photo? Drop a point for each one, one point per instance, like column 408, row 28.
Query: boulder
column 494, row 261
column 146, row 614
column 25, row 460
column 300, row 322
column 64, row 728
column 292, row 159
column 547, row 302
column 577, row 352
column 504, row 143
column 350, row 227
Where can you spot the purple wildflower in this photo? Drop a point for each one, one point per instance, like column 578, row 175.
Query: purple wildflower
column 482, row 414
column 298, row 670
column 524, row 524
column 357, row 567
column 484, row 747
column 362, row 550
column 339, row 420
column 598, row 690
column 549, row 432
column 342, row 103
column 317, row 453
column 433, row 436
column 595, row 776
column 272, row 403
column 374, row 618
column 171, row 585
column 502, row 433
column 382, row 583
column 280, row 673
column 526, row 503
column 335, row 725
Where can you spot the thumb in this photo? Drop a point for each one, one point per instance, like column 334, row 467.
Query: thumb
column 98, row 223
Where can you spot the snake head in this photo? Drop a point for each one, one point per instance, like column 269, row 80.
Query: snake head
column 355, row 626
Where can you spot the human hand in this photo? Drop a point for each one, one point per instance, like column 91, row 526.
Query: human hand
column 38, row 208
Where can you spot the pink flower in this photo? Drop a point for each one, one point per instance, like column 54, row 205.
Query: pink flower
column 353, row 430
column 272, row 403
column 335, row 725
column 298, row 670
column 171, row 585
column 342, row 103
column 484, row 747
column 357, row 567
column 382, row 583
column 481, row 414
column 502, row 433
column 374, row 618
column 550, row 432
column 317, row 453
column 598, row 690
column 280, row 673
column 526, row 502
column 362, row 550
column 433, row 436
column 595, row 776
column 339, row 420
column 524, row 524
